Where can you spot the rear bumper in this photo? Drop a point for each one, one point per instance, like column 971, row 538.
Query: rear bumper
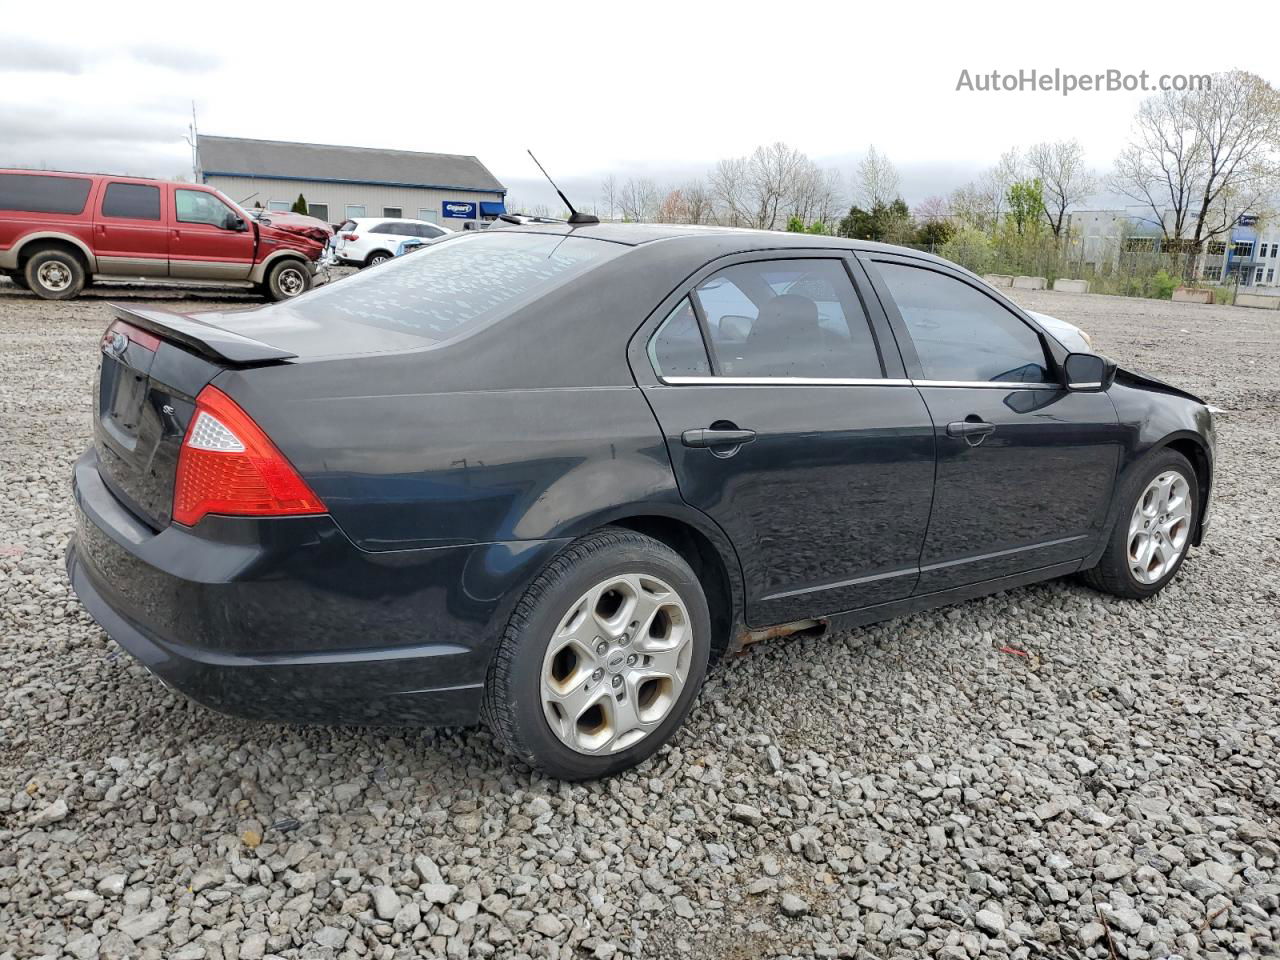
column 286, row 620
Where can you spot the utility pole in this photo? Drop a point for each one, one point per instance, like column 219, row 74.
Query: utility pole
column 193, row 139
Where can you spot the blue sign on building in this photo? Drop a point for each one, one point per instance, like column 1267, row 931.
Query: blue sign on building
column 458, row 210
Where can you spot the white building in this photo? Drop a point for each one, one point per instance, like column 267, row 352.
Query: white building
column 340, row 183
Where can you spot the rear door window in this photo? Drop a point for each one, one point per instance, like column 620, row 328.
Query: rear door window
column 132, row 201
column 788, row 318
column 960, row 333
column 676, row 349
column 38, row 194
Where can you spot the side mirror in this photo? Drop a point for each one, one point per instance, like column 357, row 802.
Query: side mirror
column 234, row 223
column 1088, row 372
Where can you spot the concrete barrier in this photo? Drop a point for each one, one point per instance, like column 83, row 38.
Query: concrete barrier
column 999, row 279
column 1030, row 283
column 1259, row 300
column 1192, row 295
column 1063, row 285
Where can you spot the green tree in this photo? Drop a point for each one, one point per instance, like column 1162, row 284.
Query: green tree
column 300, row 205
column 1026, row 200
column 969, row 247
column 817, row 228
column 795, row 224
column 934, row 233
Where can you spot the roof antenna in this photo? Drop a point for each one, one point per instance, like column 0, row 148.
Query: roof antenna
column 574, row 215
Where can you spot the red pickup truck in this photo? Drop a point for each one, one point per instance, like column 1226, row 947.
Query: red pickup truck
column 61, row 231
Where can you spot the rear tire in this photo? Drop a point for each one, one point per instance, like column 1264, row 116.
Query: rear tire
column 580, row 707
column 287, row 279
column 1159, row 510
column 377, row 257
column 54, row 275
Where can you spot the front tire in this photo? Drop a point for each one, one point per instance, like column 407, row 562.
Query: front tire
column 602, row 658
column 287, row 279
column 54, row 275
column 1159, row 510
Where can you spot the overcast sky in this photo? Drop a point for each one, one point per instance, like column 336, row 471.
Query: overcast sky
column 653, row 88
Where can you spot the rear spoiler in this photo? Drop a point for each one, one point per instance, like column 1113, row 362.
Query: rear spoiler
column 213, row 343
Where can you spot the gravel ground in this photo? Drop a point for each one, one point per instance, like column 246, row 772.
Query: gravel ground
column 904, row 790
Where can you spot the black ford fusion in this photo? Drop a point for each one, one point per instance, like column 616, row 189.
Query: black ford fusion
column 542, row 475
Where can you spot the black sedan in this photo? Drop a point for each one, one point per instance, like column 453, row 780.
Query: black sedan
column 542, row 475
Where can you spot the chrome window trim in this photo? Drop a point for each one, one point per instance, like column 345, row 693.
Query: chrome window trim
column 1091, row 385
column 856, row 382
column 785, row 381
column 988, row 384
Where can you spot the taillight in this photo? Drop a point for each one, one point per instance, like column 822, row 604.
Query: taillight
column 131, row 333
column 228, row 465
column 350, row 236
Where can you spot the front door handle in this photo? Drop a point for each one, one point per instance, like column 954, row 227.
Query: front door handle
column 716, row 438
column 970, row 428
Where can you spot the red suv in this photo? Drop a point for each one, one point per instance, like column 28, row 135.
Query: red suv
column 61, row 231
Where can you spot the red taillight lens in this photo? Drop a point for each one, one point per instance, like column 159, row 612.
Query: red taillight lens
column 350, row 236
column 228, row 465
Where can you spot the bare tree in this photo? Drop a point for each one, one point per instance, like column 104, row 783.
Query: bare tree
column 876, row 182
column 697, row 203
column 638, row 199
column 980, row 204
column 1199, row 159
column 609, row 194
column 727, row 183
column 932, row 209
column 771, row 174
column 1064, row 179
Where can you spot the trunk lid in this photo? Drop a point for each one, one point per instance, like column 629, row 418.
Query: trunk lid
column 153, row 364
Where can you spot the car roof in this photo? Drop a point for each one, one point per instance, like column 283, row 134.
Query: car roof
column 636, row 234
column 390, row 220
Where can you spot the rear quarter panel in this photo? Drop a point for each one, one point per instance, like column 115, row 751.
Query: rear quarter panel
column 18, row 228
column 421, row 469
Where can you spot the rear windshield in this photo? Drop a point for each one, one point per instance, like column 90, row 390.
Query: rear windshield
column 458, row 284
column 37, row 194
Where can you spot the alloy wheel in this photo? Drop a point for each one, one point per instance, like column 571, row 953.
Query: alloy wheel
column 1160, row 527
column 616, row 664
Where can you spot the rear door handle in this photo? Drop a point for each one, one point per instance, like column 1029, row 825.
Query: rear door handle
column 970, row 428
column 716, row 438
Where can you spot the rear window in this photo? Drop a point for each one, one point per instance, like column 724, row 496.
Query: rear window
column 451, row 287
column 32, row 194
column 133, row 201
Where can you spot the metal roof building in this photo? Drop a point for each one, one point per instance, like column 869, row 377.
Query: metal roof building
column 340, row 183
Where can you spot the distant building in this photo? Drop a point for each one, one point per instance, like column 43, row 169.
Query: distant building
column 340, row 183
column 1249, row 255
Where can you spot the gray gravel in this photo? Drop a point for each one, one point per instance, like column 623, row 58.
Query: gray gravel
column 904, row 790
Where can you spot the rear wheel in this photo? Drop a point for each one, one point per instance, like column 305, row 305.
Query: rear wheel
column 54, row 275
column 1158, row 512
column 602, row 658
column 287, row 279
column 377, row 257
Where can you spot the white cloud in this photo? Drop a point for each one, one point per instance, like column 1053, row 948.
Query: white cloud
column 658, row 89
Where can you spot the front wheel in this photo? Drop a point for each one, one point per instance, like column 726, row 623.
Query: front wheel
column 602, row 658
column 1159, row 508
column 287, row 279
